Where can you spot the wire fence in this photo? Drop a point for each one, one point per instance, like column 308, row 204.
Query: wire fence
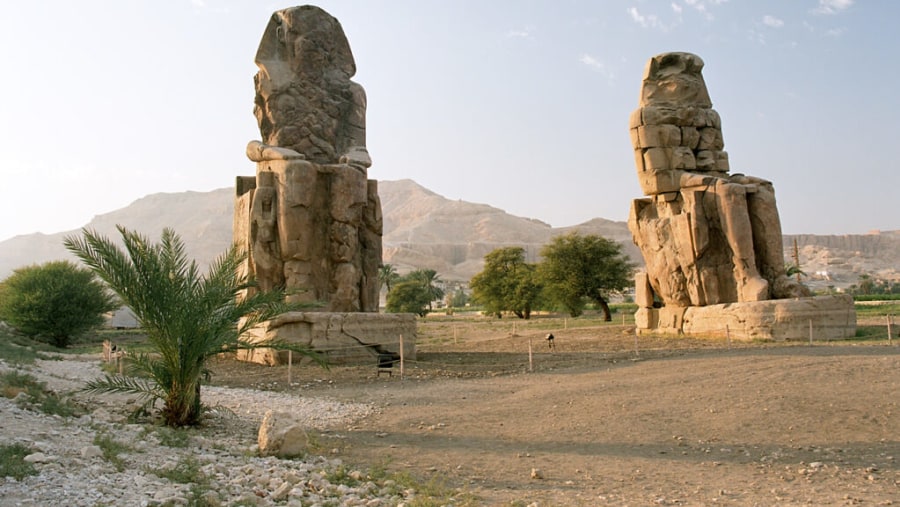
column 524, row 347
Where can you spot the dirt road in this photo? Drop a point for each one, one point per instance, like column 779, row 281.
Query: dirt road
column 755, row 425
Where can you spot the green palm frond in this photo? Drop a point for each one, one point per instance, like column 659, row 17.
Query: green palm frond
column 123, row 384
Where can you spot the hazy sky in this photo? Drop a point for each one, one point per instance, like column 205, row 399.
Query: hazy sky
column 522, row 105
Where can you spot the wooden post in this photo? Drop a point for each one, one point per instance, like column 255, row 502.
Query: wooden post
column 401, row 357
column 636, row 352
column 565, row 323
column 290, row 364
column 530, row 356
column 455, row 338
column 623, row 319
column 890, row 331
column 797, row 259
column 728, row 335
column 810, row 332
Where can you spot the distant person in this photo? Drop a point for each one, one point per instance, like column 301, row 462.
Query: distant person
column 550, row 343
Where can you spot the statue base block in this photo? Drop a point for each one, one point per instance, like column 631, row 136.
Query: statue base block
column 822, row 317
column 343, row 338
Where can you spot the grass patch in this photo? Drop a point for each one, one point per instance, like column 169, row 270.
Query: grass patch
column 111, row 449
column 877, row 309
column 874, row 333
column 186, row 471
column 37, row 397
column 12, row 461
column 432, row 493
column 176, row 438
column 18, row 350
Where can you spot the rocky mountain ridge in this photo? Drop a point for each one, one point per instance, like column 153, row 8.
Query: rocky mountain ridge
column 423, row 229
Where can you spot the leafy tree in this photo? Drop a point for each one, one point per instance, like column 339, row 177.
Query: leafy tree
column 576, row 267
column 409, row 296
column 429, row 279
column 54, row 302
column 188, row 317
column 507, row 283
column 387, row 275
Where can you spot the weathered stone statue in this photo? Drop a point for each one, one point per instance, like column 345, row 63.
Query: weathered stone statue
column 311, row 219
column 707, row 237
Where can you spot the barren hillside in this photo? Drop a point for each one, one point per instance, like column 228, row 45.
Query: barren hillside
column 425, row 230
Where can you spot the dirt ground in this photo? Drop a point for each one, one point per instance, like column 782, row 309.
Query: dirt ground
column 606, row 419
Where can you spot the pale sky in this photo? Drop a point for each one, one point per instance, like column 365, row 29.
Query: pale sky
column 522, row 105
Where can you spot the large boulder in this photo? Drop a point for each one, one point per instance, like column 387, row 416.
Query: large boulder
column 282, row 435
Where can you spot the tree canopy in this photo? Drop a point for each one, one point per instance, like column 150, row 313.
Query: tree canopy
column 575, row 268
column 507, row 283
column 414, row 292
column 54, row 302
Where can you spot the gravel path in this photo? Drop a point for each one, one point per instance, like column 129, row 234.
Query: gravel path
column 221, row 456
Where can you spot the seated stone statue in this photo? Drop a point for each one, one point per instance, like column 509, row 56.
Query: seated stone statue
column 707, row 236
column 310, row 218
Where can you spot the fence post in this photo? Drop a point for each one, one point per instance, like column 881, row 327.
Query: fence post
column 401, row 357
column 890, row 331
column 728, row 335
column 810, row 333
column 290, row 365
column 530, row 356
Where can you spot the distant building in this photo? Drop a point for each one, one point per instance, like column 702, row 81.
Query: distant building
column 123, row 318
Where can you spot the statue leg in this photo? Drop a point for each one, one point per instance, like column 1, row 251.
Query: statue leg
column 768, row 244
column 731, row 200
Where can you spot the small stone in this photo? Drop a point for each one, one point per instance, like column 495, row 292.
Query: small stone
column 536, row 473
column 91, row 451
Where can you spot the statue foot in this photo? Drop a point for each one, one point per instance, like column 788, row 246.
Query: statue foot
column 754, row 289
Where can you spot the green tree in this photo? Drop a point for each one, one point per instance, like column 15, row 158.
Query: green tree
column 387, row 276
column 507, row 283
column 188, row 317
column 409, row 296
column 576, row 267
column 54, row 302
column 429, row 280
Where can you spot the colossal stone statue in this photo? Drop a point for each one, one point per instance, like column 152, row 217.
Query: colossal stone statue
column 707, row 237
column 711, row 240
column 310, row 219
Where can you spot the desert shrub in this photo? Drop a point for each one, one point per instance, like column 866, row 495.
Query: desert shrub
column 12, row 461
column 54, row 302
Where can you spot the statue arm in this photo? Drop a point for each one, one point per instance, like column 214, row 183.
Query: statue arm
column 356, row 154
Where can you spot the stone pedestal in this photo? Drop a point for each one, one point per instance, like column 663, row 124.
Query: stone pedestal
column 831, row 318
column 343, row 338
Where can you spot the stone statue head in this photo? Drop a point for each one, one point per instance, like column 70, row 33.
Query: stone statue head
column 305, row 42
column 674, row 80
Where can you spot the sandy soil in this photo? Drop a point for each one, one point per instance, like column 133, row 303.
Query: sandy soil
column 677, row 422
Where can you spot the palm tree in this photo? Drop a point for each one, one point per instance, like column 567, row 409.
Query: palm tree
column 429, row 280
column 387, row 275
column 188, row 317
